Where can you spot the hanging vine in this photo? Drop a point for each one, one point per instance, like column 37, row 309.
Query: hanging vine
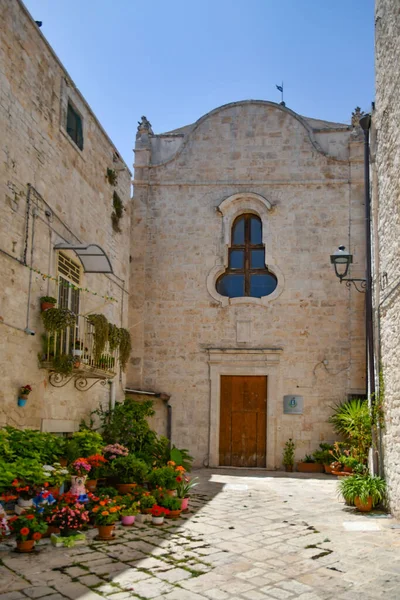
column 114, row 336
column 100, row 334
column 125, row 347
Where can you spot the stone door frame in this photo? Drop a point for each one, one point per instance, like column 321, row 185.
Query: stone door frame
column 244, row 361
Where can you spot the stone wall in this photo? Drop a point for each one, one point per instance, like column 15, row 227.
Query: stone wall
column 70, row 201
column 386, row 188
column 245, row 151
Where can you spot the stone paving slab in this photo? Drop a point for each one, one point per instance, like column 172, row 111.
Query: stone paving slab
column 250, row 535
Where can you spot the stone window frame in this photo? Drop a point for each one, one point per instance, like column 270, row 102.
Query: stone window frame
column 230, row 209
column 70, row 96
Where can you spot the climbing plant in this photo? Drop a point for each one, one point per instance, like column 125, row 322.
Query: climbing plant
column 125, row 347
column 117, row 213
column 100, row 334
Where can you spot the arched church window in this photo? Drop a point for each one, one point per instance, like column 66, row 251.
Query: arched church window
column 246, row 274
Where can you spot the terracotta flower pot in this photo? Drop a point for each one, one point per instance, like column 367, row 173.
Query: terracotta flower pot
column 125, row 488
column 105, row 532
column 185, row 502
column 363, row 506
column 91, row 485
column 328, row 469
column 347, row 469
column 171, row 492
column 304, row 467
column 63, row 461
column 46, row 305
column 26, row 546
column 174, row 514
column 289, row 468
column 129, row 520
column 51, row 529
column 146, row 511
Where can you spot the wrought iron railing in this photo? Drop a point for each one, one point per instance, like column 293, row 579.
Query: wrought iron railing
column 75, row 346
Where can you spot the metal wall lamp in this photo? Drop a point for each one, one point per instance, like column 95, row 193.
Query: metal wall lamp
column 341, row 260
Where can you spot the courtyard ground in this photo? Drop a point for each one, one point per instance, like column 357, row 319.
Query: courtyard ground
column 250, row 535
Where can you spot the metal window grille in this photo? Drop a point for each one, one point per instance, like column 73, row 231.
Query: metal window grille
column 69, row 269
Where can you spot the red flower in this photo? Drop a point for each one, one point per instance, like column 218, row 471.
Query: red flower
column 36, row 536
column 179, row 479
column 29, row 517
column 24, row 531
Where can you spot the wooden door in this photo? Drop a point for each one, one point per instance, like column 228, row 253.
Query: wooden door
column 243, row 421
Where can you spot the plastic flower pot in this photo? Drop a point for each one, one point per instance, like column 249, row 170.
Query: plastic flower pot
column 105, row 532
column 22, row 400
column 26, row 546
column 157, row 520
column 185, row 502
column 126, row 521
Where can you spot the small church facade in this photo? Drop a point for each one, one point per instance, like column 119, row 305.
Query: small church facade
column 235, row 311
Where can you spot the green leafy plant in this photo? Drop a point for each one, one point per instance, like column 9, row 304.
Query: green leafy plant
column 114, row 336
column 5, row 446
column 288, row 453
column 352, row 419
column 117, row 213
column 185, row 486
column 57, row 319
column 100, row 333
column 162, row 453
column 83, row 444
column 129, row 469
column 8, row 474
column 129, row 510
column 112, row 176
column 64, row 363
column 147, row 500
column 363, row 487
column 308, row 459
column 55, row 474
column 127, row 425
column 45, row 447
column 48, row 299
column 28, row 526
column 125, row 347
column 323, row 456
column 164, row 477
column 170, row 502
column 106, row 492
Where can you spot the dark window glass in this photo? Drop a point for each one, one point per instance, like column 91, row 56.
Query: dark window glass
column 257, row 259
column 231, row 286
column 247, row 274
column 238, row 232
column 262, row 285
column 236, row 259
column 74, row 126
column 255, row 231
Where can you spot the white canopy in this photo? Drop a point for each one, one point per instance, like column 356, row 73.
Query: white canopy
column 92, row 257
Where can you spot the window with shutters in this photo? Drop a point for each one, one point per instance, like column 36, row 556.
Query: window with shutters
column 74, row 126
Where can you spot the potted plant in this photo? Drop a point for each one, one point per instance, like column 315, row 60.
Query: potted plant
column 323, row 456
column 47, row 302
column 173, row 504
column 130, row 471
column 308, row 465
column 28, row 528
column 79, row 470
column 164, row 477
column 55, row 475
column 106, row 513
column 29, row 480
column 183, row 490
column 363, row 490
column 113, row 451
column 24, row 392
column 57, row 319
column 288, row 455
column 157, row 514
column 97, row 462
column 128, row 513
column 70, row 517
column 147, row 501
column 79, row 348
column 83, row 444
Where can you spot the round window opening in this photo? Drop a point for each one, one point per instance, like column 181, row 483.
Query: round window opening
column 247, row 274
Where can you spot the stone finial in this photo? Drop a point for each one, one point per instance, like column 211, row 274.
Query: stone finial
column 144, row 126
column 356, row 116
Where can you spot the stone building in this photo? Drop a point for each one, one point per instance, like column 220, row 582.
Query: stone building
column 58, row 209
column 385, row 154
column 234, row 309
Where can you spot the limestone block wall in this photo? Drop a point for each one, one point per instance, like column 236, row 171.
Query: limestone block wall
column 73, row 202
column 386, row 199
column 317, row 203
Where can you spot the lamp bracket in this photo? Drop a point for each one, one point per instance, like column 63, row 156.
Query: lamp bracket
column 361, row 282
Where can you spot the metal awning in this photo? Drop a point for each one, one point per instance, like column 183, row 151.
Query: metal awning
column 92, row 257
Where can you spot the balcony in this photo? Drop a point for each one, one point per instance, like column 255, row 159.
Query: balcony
column 71, row 354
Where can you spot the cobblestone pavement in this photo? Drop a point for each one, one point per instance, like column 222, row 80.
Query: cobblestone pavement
column 249, row 536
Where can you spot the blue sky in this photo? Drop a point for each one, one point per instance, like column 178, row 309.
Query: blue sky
column 174, row 61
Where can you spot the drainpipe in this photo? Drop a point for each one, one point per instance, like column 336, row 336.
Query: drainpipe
column 165, row 398
column 113, row 391
column 365, row 123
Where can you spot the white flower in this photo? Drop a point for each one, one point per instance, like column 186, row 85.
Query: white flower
column 48, row 468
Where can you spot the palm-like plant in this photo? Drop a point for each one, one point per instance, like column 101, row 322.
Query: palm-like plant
column 352, row 419
column 363, row 487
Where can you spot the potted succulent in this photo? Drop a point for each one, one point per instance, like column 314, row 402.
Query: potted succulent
column 128, row 513
column 70, row 517
column 28, row 528
column 47, row 302
column 308, row 465
column 183, row 490
column 97, row 462
column 130, row 471
column 173, row 504
column 363, row 490
column 288, row 455
column 106, row 513
column 158, row 513
column 24, row 392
